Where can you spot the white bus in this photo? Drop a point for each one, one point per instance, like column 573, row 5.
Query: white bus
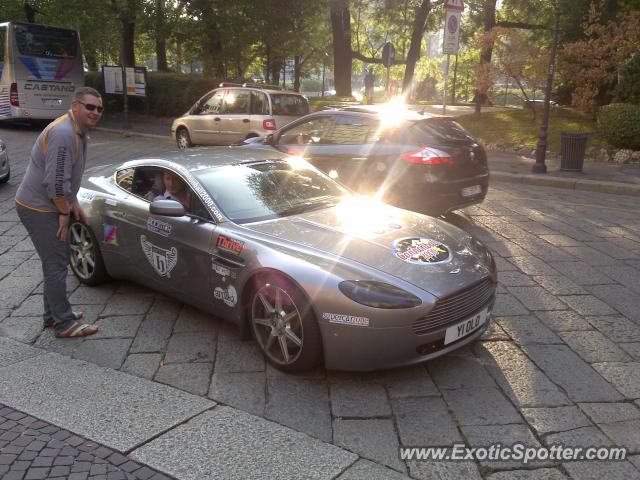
column 40, row 68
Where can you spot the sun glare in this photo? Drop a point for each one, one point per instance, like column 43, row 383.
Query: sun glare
column 362, row 216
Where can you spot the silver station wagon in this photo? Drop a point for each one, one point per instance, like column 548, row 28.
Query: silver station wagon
column 236, row 112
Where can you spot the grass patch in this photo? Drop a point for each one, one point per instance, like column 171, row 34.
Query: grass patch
column 515, row 128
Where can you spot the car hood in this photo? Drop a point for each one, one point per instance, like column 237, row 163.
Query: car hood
column 424, row 251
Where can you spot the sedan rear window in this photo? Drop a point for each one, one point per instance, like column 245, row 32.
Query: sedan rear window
column 287, row 104
column 443, row 128
column 256, row 191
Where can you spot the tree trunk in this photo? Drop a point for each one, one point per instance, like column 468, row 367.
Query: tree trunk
column 342, row 59
column 127, row 55
column 419, row 26
column 486, row 52
column 92, row 60
column 161, row 42
column 297, row 71
column 179, row 60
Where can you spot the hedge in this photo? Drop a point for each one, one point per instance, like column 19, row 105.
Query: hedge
column 168, row 94
column 619, row 124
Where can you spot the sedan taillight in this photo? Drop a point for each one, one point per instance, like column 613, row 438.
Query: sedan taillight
column 428, row 156
column 13, row 95
column 269, row 124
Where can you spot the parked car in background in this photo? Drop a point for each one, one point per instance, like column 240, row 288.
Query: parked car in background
column 429, row 164
column 273, row 245
column 5, row 170
column 234, row 112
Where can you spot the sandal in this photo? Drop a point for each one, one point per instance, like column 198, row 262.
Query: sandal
column 78, row 330
column 76, row 316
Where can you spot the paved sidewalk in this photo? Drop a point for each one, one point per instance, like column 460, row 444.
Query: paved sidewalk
column 31, row 449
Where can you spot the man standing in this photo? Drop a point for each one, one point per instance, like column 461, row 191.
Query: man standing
column 369, row 80
column 46, row 199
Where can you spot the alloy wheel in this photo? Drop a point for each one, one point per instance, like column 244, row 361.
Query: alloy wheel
column 277, row 324
column 83, row 254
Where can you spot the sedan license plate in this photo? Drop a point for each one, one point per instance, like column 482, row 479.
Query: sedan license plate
column 466, row 327
column 470, row 191
column 52, row 102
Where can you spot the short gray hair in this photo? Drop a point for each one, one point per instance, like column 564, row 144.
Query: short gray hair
column 82, row 91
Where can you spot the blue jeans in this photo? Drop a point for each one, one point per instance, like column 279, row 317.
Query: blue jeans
column 54, row 255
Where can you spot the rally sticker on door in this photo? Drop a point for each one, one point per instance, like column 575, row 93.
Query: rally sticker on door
column 228, row 295
column 420, row 250
column 160, row 259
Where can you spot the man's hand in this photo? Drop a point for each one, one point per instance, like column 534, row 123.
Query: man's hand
column 78, row 212
column 63, row 227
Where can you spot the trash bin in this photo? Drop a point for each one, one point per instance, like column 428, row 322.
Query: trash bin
column 572, row 148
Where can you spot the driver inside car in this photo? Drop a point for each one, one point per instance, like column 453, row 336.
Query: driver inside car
column 175, row 189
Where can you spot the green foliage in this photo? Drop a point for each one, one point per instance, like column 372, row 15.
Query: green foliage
column 515, row 127
column 619, row 123
column 169, row 94
column 628, row 88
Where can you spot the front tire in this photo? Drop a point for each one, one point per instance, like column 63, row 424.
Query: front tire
column 86, row 259
column 284, row 325
column 183, row 139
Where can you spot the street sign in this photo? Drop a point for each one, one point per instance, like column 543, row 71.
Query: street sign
column 454, row 5
column 135, row 80
column 451, row 43
column 388, row 54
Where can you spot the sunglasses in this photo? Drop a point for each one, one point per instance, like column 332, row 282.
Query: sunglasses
column 91, row 107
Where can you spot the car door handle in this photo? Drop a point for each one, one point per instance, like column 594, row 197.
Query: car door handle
column 245, row 120
column 217, row 119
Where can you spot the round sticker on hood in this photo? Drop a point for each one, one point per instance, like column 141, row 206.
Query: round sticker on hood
column 420, row 250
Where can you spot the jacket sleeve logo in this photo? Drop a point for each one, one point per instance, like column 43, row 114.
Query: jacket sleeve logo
column 160, row 259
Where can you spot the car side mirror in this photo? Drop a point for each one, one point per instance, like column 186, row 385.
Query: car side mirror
column 269, row 139
column 167, row 208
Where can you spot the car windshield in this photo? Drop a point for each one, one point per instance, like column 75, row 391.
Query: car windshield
column 251, row 192
column 287, row 104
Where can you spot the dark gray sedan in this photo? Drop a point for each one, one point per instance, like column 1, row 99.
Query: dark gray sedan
column 428, row 164
column 272, row 244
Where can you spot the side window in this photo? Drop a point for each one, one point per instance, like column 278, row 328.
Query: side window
column 259, row 103
column 288, row 104
column 237, row 101
column 213, row 104
column 353, row 130
column 173, row 187
column 124, row 179
column 313, row 132
column 3, row 39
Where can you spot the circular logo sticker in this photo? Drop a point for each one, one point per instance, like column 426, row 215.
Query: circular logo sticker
column 420, row 250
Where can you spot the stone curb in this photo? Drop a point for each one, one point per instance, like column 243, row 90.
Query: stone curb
column 131, row 133
column 615, row 188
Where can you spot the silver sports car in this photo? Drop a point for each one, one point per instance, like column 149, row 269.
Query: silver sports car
column 275, row 246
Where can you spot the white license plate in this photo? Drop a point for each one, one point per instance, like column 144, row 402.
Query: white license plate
column 473, row 190
column 466, row 327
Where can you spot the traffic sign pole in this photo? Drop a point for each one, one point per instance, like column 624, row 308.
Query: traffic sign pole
column 446, row 82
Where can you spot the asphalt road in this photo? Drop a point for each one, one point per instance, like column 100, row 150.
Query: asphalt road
column 560, row 364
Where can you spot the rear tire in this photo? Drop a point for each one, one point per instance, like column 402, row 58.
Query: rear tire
column 284, row 326
column 183, row 139
column 86, row 258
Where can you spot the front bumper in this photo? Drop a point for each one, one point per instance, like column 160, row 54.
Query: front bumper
column 356, row 348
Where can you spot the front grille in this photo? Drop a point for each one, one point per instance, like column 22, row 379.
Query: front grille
column 456, row 307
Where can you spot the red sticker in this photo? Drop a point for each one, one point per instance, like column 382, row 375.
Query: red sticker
column 230, row 245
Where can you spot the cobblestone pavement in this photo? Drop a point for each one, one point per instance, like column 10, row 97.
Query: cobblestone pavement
column 31, row 449
column 560, row 363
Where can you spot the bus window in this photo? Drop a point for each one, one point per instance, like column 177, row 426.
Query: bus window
column 3, row 36
column 41, row 41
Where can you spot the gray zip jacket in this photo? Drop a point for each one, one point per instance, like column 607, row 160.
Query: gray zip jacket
column 56, row 166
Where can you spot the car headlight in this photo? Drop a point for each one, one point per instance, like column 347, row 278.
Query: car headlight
column 3, row 147
column 378, row 294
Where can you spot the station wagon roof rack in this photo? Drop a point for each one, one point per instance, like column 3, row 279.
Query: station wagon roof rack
column 263, row 86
